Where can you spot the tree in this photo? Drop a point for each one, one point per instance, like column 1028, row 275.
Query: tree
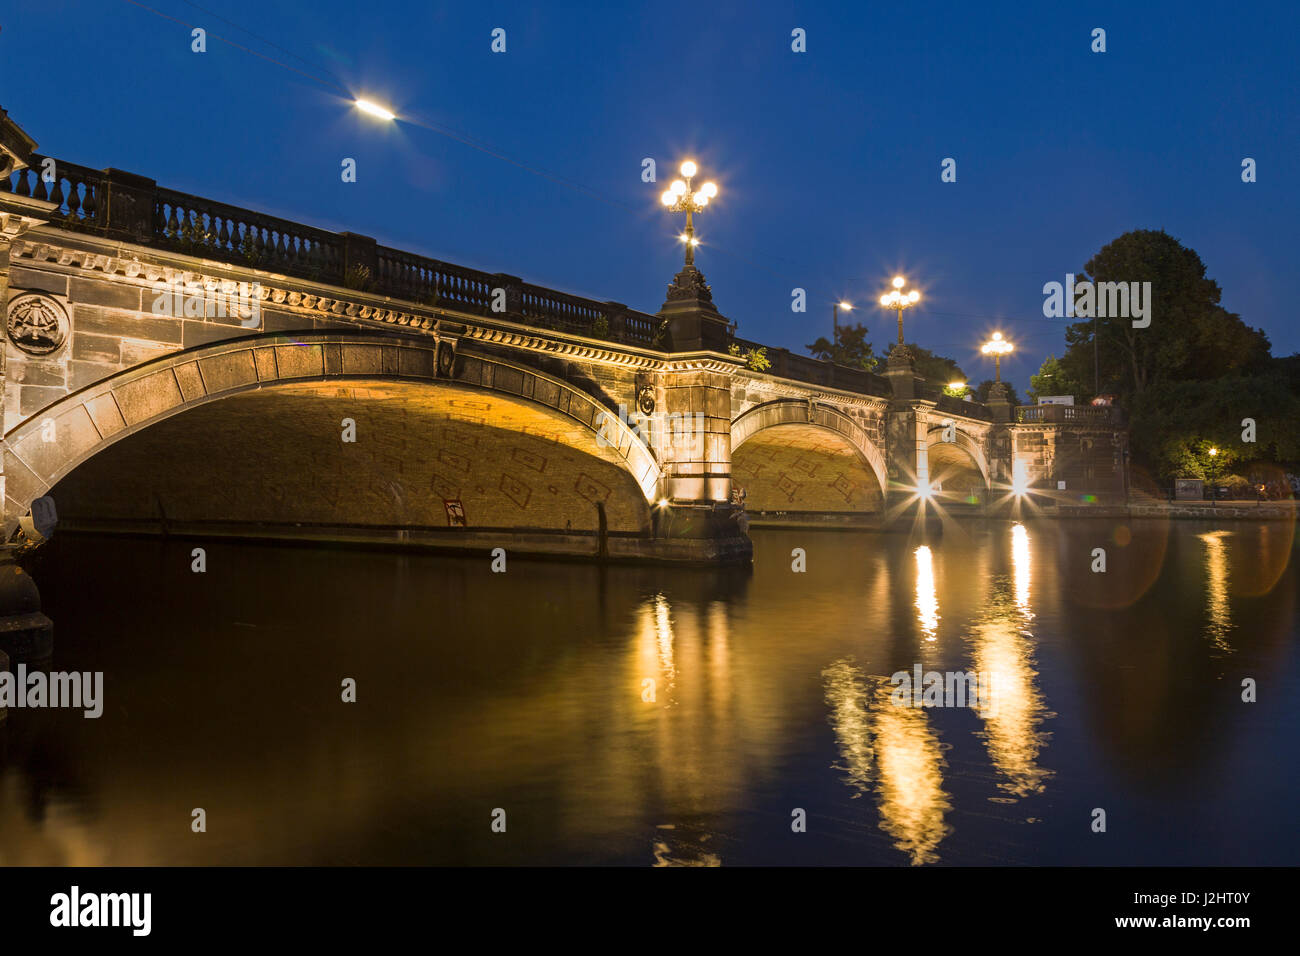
column 851, row 348
column 982, row 392
column 936, row 369
column 1190, row 336
column 1052, row 379
column 1174, row 424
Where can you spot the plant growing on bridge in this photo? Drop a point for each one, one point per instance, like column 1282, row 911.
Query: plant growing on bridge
column 600, row 327
column 193, row 237
column 249, row 251
column 756, row 360
column 358, row 277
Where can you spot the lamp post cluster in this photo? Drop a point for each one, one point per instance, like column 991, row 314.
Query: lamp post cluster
column 680, row 197
column 997, row 347
column 900, row 300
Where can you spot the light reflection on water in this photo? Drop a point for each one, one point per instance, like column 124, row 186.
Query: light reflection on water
column 527, row 691
column 1217, row 604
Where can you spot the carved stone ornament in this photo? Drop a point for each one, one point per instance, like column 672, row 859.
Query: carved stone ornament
column 689, row 284
column 446, row 359
column 38, row 324
column 645, row 400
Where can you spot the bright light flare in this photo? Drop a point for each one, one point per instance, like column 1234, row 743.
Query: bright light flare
column 997, row 345
column 689, row 169
column 898, row 282
column 374, row 109
column 1020, row 478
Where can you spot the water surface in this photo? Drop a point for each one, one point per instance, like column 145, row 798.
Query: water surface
column 526, row 691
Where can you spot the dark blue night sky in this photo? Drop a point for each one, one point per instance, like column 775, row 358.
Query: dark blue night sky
column 828, row 161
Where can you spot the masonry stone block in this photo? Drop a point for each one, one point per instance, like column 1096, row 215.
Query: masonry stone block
column 134, row 325
column 147, row 397
column 33, row 398
column 37, row 280
column 228, row 371
column 90, row 347
column 111, row 295
column 81, row 374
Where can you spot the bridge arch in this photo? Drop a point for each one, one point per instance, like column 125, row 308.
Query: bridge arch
column 50, row 444
column 955, row 463
column 800, row 416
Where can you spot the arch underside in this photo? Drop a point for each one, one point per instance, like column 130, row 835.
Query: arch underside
column 252, row 432
column 957, row 471
column 804, row 468
column 791, row 455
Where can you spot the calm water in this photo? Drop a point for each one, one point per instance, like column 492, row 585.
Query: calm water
column 524, row 691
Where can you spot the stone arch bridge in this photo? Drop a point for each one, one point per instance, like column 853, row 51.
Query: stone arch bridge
column 173, row 363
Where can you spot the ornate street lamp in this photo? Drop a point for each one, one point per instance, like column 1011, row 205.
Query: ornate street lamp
column 997, row 347
column 900, row 300
column 680, row 197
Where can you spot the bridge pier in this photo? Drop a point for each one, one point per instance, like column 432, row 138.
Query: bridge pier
column 25, row 633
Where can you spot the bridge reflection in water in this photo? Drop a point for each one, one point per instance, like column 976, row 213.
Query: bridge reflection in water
column 661, row 716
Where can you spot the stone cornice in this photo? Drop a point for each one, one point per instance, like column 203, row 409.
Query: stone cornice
column 522, row 337
column 795, row 389
column 145, row 267
column 72, row 252
column 20, row 214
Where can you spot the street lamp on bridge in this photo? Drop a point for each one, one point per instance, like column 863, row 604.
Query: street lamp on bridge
column 680, row 197
column 835, row 319
column 374, row 109
column 997, row 347
column 900, row 300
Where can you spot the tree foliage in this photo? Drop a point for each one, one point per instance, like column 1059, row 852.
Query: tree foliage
column 936, row 369
column 1175, row 423
column 1190, row 336
column 1052, row 379
column 1189, row 378
column 850, row 348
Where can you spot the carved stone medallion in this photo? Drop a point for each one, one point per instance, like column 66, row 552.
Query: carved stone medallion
column 38, row 324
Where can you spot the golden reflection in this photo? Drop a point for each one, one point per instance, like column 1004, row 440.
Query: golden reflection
column 683, row 856
column 1020, row 563
column 906, row 753
column 927, row 604
column 1003, row 657
column 846, row 694
column 911, row 796
column 1014, row 707
column 656, row 644
column 1216, row 591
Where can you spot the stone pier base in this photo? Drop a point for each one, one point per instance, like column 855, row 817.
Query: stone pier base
column 690, row 539
column 25, row 633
